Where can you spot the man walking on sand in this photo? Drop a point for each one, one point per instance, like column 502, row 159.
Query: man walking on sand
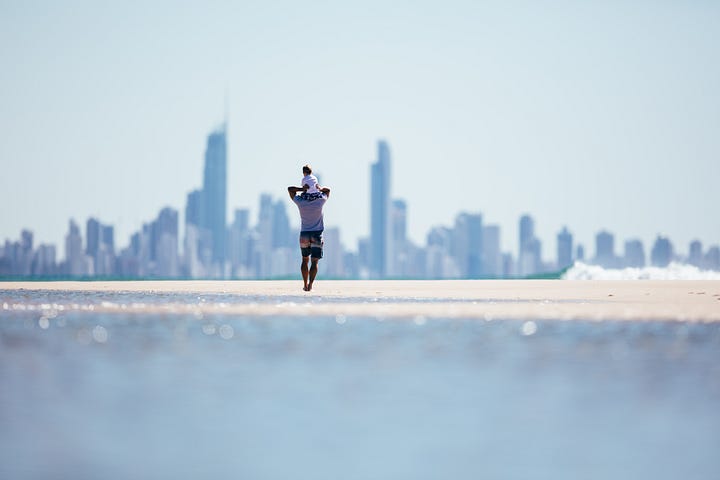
column 311, row 229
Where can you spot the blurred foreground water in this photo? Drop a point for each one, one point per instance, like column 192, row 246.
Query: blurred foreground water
column 142, row 394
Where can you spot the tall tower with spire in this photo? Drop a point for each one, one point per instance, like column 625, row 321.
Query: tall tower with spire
column 380, row 218
column 215, row 191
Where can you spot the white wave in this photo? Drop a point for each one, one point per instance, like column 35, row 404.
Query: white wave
column 674, row 271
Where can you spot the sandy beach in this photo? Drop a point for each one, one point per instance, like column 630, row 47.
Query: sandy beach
column 358, row 379
column 482, row 299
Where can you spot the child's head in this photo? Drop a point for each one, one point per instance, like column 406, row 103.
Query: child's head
column 309, row 180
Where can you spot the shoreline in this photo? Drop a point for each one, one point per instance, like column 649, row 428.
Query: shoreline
column 678, row 300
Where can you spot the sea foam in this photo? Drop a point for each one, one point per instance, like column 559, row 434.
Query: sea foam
column 674, row 271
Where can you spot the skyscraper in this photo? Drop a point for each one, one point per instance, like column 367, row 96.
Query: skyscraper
column 712, row 258
column 491, row 254
column 26, row 253
column 695, row 256
column 439, row 264
column 240, row 248
column 605, row 249
column 44, row 262
column 527, row 232
column 634, row 254
column 333, row 257
column 92, row 233
column 198, row 244
column 265, row 224
column 662, row 252
column 100, row 247
column 468, row 244
column 380, row 228
column 166, row 243
column 214, row 197
column 74, row 256
column 564, row 249
column 280, row 226
column 529, row 257
column 398, row 220
column 194, row 209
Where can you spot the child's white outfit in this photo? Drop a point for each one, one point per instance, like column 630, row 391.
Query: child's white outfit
column 311, row 182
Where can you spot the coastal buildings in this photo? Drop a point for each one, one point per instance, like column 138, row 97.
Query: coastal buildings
column 264, row 245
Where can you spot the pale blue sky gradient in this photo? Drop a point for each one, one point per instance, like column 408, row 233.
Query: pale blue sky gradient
column 590, row 114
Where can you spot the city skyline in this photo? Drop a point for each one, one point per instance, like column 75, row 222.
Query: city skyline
column 214, row 248
column 598, row 116
column 198, row 210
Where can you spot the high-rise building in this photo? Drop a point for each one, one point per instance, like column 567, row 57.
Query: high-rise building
column 166, row 243
column 198, row 246
column 380, row 226
column 564, row 249
column 634, row 254
column 25, row 255
column 194, row 208
column 75, row 260
column 529, row 257
column 527, row 232
column 100, row 247
column 107, row 237
column 333, row 253
column 238, row 243
column 44, row 261
column 400, row 256
column 605, row 249
column 508, row 265
column 439, row 263
column 399, row 221
column 264, row 227
column 214, row 194
column 467, row 244
column 712, row 258
column 364, row 257
column 491, row 255
column 695, row 256
column 280, row 225
column 92, row 234
column 662, row 252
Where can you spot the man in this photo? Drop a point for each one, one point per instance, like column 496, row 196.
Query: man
column 311, row 229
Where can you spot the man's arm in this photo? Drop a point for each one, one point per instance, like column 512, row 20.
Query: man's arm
column 292, row 191
column 326, row 191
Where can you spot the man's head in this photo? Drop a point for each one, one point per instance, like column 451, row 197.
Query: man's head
column 307, row 169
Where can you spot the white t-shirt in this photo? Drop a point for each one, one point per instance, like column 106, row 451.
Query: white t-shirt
column 310, row 181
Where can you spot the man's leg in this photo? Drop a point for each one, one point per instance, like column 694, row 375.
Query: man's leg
column 313, row 272
column 304, row 271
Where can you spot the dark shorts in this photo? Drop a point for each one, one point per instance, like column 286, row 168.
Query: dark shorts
column 311, row 244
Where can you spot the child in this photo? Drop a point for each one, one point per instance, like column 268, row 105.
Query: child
column 310, row 180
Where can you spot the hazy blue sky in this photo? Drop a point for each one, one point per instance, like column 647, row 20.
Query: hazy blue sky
column 590, row 114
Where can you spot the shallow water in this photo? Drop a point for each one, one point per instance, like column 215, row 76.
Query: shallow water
column 91, row 394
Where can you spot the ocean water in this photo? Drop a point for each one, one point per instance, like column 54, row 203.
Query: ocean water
column 87, row 394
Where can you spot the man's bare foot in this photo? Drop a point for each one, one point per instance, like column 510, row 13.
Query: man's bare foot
column 309, row 287
column 306, row 289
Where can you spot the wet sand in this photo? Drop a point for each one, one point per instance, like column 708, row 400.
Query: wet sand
column 481, row 299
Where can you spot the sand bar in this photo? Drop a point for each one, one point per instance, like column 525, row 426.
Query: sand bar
column 482, row 299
